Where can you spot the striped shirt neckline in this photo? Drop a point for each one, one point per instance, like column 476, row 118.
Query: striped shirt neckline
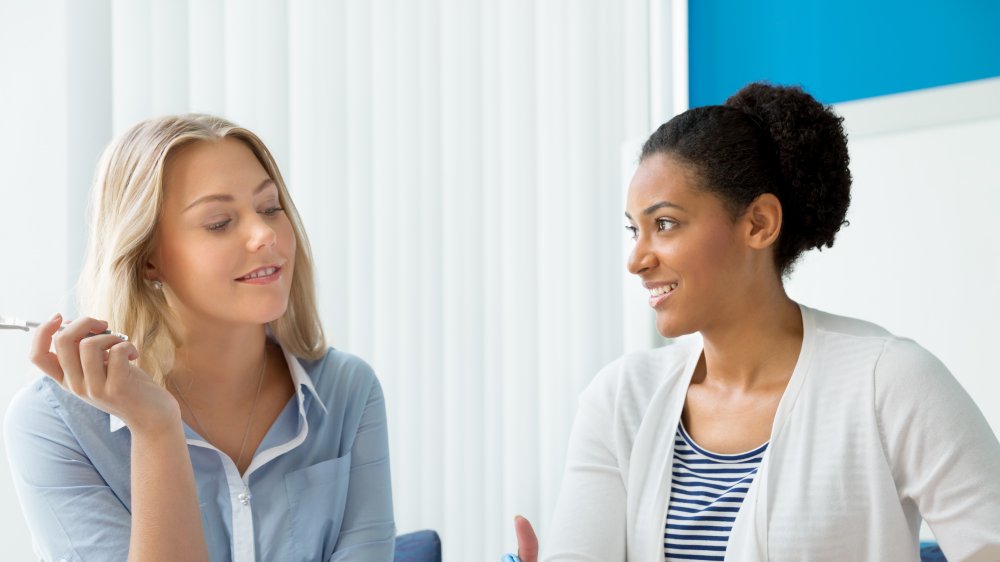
column 706, row 492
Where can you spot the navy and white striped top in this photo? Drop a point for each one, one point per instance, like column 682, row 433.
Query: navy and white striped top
column 706, row 492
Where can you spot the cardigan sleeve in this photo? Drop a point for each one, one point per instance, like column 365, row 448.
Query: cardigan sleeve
column 943, row 455
column 588, row 524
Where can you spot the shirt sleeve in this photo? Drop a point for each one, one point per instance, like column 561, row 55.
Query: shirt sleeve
column 70, row 510
column 368, row 532
column 588, row 524
column 943, row 455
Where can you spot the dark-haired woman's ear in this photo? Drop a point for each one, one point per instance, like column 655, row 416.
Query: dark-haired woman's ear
column 762, row 220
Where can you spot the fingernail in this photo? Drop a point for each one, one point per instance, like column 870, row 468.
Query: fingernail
column 55, row 316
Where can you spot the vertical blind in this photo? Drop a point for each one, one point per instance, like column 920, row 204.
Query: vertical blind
column 459, row 166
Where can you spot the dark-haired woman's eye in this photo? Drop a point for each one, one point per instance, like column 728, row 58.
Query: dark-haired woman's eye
column 633, row 232
column 666, row 224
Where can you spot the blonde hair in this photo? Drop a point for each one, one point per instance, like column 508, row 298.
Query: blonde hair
column 126, row 201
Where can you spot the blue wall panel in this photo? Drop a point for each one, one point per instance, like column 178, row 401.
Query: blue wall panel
column 840, row 51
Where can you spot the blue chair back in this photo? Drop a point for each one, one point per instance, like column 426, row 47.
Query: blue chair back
column 931, row 552
column 425, row 546
column 419, row 546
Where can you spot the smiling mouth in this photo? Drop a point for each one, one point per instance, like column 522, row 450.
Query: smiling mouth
column 660, row 291
column 659, row 294
column 261, row 273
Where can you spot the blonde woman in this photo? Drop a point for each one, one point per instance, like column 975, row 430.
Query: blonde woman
column 224, row 428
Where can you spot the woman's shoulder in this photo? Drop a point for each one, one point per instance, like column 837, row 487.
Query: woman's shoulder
column 639, row 375
column 35, row 403
column 899, row 362
column 828, row 323
column 896, row 352
column 42, row 417
column 339, row 362
column 339, row 373
column 905, row 367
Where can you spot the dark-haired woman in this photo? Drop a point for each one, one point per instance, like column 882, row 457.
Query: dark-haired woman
column 767, row 430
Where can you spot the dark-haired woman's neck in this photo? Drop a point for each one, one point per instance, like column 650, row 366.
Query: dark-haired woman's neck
column 756, row 345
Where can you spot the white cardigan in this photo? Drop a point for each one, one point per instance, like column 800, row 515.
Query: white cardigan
column 871, row 434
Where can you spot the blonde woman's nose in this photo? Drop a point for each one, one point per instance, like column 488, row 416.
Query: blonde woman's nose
column 261, row 235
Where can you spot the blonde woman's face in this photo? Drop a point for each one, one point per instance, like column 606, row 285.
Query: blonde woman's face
column 224, row 248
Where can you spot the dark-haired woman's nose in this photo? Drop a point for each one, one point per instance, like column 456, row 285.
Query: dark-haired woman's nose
column 642, row 259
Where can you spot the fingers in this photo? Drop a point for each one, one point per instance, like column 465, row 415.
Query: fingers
column 40, row 354
column 527, row 542
column 67, row 346
column 95, row 361
column 118, row 362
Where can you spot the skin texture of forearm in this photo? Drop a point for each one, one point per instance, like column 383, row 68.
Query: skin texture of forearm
column 166, row 521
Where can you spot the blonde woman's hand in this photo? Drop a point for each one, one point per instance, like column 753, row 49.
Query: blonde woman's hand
column 527, row 542
column 97, row 368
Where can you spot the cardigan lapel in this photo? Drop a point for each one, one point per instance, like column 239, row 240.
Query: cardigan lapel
column 652, row 475
column 748, row 539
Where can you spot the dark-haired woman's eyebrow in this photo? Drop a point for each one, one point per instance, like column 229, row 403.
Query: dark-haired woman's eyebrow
column 653, row 208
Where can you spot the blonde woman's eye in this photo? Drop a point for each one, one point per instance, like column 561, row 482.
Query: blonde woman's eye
column 273, row 211
column 633, row 232
column 666, row 224
column 218, row 226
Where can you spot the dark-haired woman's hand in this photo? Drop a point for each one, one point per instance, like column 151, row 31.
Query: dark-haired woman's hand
column 527, row 542
column 97, row 368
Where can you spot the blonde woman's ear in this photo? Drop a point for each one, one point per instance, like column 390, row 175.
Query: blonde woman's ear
column 150, row 272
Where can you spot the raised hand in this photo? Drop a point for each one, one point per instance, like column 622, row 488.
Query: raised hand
column 527, row 542
column 96, row 367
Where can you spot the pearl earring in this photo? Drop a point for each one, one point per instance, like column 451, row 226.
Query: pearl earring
column 157, row 285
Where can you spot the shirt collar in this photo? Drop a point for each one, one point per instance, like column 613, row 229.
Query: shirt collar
column 300, row 378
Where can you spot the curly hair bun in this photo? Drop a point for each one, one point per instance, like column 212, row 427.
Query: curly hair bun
column 811, row 149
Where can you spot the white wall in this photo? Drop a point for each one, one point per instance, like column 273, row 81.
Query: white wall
column 33, row 226
column 921, row 255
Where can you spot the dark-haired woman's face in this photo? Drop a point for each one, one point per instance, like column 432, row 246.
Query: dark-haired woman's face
column 687, row 250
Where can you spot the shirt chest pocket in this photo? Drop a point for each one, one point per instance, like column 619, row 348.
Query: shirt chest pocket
column 317, row 496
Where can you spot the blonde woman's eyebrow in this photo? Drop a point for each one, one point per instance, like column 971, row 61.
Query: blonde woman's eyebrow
column 225, row 197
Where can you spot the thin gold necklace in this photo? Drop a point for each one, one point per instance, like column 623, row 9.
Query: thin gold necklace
column 246, row 432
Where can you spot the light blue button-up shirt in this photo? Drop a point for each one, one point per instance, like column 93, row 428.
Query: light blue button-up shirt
column 317, row 488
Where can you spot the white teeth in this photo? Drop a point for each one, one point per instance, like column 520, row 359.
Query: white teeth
column 262, row 273
column 662, row 290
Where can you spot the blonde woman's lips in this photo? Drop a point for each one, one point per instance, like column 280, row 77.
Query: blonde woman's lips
column 262, row 275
